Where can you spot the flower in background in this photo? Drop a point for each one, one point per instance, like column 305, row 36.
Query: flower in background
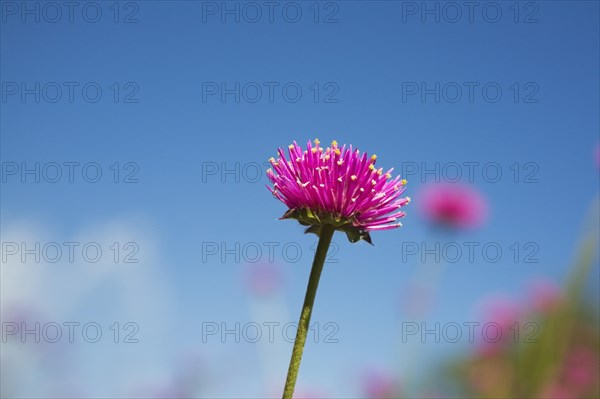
column 545, row 296
column 581, row 368
column 578, row 377
column 337, row 186
column 379, row 385
column 500, row 316
column 263, row 279
column 453, row 205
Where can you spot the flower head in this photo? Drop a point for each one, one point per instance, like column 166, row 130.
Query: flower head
column 453, row 205
column 338, row 186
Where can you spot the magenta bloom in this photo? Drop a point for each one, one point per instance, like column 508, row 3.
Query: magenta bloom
column 337, row 186
column 453, row 205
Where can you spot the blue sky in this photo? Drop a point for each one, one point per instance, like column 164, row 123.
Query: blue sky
column 355, row 74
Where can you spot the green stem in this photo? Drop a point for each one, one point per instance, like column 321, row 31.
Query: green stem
column 313, row 282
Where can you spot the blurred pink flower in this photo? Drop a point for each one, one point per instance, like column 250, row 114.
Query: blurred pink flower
column 379, row 385
column 500, row 315
column 545, row 295
column 263, row 279
column 581, row 367
column 557, row 391
column 453, row 205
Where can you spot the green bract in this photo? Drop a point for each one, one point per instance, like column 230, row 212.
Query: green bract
column 314, row 221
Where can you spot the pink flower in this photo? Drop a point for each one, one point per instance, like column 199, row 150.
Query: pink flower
column 497, row 331
column 581, row 367
column 453, row 205
column 337, row 186
column 545, row 296
column 379, row 385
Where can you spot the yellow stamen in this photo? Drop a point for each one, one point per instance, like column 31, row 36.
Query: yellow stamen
column 291, row 146
column 314, row 150
column 334, row 143
column 340, row 162
column 379, row 171
column 373, row 157
column 403, row 182
column 317, row 142
column 353, row 177
column 271, row 159
column 387, row 175
column 371, row 167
